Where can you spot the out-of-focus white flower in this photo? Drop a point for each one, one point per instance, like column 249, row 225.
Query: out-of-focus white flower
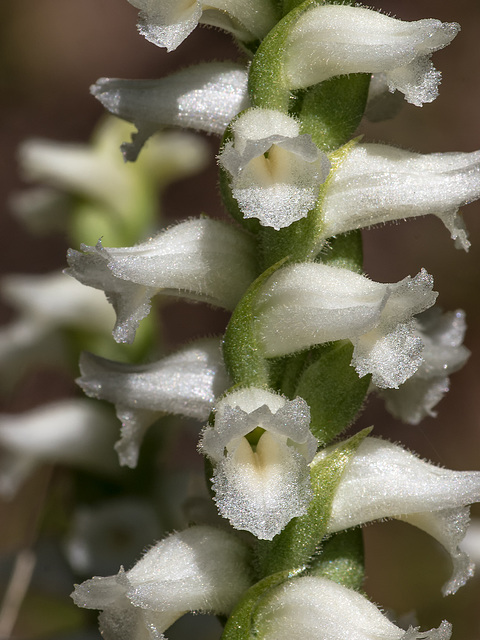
column 376, row 183
column 314, row 607
column 471, row 542
column 262, row 483
column 311, row 303
column 185, row 383
column 383, row 480
column 331, row 40
column 80, row 433
column 199, row 569
column 104, row 536
column 204, row 97
column 200, row 259
column 46, row 303
column 167, row 23
column 443, row 354
column 275, row 171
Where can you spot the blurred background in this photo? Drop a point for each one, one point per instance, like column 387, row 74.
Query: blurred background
column 52, row 50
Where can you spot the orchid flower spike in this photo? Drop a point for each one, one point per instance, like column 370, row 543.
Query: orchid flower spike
column 166, row 23
column 313, row 607
column 443, row 354
column 376, row 183
column 310, row 303
column 199, row 569
column 72, row 432
column 275, row 171
column 185, row 383
column 200, row 259
column 330, row 40
column 384, row 480
column 204, row 97
column 260, row 445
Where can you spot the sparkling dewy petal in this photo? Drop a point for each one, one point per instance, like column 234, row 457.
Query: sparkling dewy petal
column 185, row 383
column 331, row 40
column 384, row 480
column 200, row 259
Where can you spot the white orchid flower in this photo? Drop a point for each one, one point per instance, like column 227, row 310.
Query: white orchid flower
column 166, row 23
column 443, row 354
column 310, row 303
column 72, row 432
column 204, row 97
column 377, row 183
column 199, row 259
column 330, row 40
column 185, row 383
column 314, row 607
column 383, row 480
column 260, row 486
column 276, row 172
column 199, row 569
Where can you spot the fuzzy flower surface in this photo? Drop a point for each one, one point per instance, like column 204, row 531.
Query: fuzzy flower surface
column 260, row 487
column 332, row 40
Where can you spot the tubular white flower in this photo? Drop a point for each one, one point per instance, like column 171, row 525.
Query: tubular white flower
column 204, row 97
column 314, row 607
column 166, row 23
column 260, row 488
column 385, row 481
column 443, row 354
column 199, row 569
column 72, row 432
column 377, row 183
column 275, row 171
column 200, row 259
column 185, row 383
column 310, row 303
column 331, row 40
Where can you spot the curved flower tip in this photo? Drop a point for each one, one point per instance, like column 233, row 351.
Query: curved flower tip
column 200, row 259
column 383, row 480
column 205, row 97
column 199, row 569
column 275, row 171
column 185, row 383
column 376, row 183
column 314, row 607
column 260, row 445
column 166, row 23
column 442, row 336
column 344, row 39
column 310, row 303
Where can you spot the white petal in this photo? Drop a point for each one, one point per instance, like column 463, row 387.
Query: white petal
column 377, row 183
column 204, row 97
column 185, row 383
column 200, row 259
column 385, row 481
column 313, row 607
column 334, row 40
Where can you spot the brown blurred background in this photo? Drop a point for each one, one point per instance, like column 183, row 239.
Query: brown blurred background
column 52, row 50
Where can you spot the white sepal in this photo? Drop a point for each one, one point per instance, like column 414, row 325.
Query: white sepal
column 377, row 183
column 166, row 23
column 199, row 569
column 200, row 259
column 443, row 354
column 310, row 303
column 331, row 40
column 80, row 433
column 260, row 488
column 384, row 480
column 184, row 383
column 275, row 171
column 314, row 607
column 204, row 97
